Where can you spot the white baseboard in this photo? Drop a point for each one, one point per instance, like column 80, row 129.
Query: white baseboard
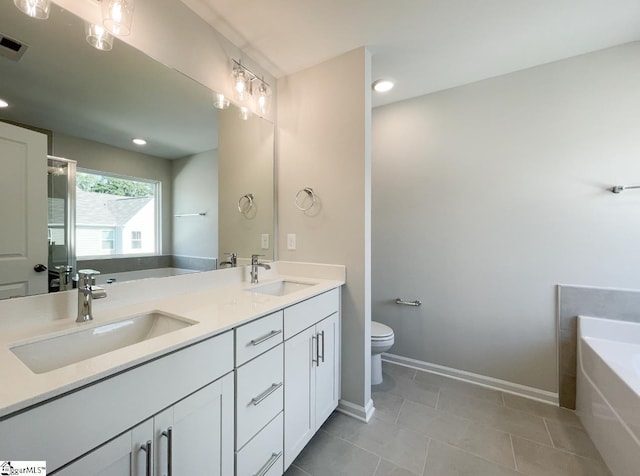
column 357, row 411
column 477, row 379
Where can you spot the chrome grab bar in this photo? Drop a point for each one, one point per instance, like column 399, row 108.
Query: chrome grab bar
column 257, row 400
column 271, row 334
column 408, row 303
column 267, row 466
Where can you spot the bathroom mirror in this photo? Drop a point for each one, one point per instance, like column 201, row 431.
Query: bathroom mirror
column 93, row 103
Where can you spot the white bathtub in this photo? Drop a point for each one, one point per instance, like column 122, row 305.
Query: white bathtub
column 608, row 390
column 140, row 274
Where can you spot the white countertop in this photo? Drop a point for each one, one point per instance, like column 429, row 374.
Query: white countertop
column 217, row 303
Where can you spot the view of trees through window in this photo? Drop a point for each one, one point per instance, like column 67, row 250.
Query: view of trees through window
column 115, row 215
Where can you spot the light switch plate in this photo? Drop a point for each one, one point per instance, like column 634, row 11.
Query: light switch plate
column 291, row 241
column 264, row 241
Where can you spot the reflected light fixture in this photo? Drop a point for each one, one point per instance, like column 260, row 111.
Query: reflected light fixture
column 382, row 85
column 34, row 8
column 220, row 101
column 117, row 16
column 3, row 103
column 98, row 37
column 245, row 113
column 138, row 141
column 243, row 87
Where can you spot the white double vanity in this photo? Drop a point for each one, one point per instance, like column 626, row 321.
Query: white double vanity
column 196, row 374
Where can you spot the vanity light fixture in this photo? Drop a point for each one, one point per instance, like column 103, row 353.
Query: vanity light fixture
column 3, row 103
column 117, row 16
column 243, row 86
column 139, row 141
column 220, row 101
column 98, row 37
column 34, row 8
column 382, row 85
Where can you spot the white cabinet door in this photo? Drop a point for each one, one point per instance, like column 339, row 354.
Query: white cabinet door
column 195, row 436
column 23, row 215
column 327, row 370
column 122, row 456
column 300, row 386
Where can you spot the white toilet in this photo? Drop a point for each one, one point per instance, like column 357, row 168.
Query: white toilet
column 381, row 341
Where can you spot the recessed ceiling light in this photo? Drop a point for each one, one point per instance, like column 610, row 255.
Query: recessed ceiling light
column 382, row 85
column 139, row 141
column 3, row 103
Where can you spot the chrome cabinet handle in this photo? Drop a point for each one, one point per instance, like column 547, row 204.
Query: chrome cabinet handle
column 257, row 400
column 168, row 434
column 322, row 356
column 147, row 449
column 267, row 466
column 267, row 337
column 314, row 361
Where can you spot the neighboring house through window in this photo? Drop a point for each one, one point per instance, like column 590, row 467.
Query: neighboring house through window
column 116, row 216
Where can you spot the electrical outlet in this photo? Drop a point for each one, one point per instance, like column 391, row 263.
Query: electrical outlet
column 291, row 241
column 264, row 241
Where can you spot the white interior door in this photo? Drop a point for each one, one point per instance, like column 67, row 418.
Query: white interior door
column 23, row 211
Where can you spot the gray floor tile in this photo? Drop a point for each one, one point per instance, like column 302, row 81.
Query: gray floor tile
column 463, row 388
column 295, row 471
column 407, row 388
column 573, row 439
column 387, row 405
column 386, row 468
column 447, row 460
column 398, row 445
column 534, row 459
column 476, row 438
column 545, row 410
column 495, row 416
column 326, row 455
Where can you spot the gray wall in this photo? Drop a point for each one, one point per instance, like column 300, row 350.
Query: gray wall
column 324, row 143
column 105, row 158
column 195, row 190
column 488, row 195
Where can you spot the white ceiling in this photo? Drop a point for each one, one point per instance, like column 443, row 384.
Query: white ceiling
column 425, row 45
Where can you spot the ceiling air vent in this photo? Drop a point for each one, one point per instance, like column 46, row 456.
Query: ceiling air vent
column 10, row 48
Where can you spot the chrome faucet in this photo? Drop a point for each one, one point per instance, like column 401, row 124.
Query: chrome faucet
column 87, row 292
column 254, row 268
column 233, row 260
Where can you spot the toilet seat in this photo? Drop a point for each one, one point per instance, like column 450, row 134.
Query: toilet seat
column 380, row 332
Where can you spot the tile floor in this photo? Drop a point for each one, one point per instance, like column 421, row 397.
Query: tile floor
column 430, row 425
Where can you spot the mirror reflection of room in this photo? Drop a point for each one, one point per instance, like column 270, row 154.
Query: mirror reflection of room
column 165, row 204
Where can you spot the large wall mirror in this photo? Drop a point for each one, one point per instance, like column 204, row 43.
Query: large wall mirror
column 212, row 171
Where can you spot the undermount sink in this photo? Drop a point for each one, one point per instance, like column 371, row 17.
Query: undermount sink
column 280, row 288
column 50, row 353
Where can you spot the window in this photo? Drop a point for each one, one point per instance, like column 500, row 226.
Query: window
column 108, row 241
column 116, row 215
column 136, row 240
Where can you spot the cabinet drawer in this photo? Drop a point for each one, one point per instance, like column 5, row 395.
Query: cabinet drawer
column 305, row 314
column 259, row 393
column 263, row 453
column 257, row 337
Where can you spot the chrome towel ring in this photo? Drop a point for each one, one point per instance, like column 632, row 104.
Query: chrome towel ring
column 245, row 203
column 299, row 201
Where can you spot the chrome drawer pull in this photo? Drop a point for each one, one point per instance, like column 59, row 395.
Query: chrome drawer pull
column 147, row 449
column 314, row 341
column 266, row 393
column 267, row 337
column 321, row 356
column 268, row 464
